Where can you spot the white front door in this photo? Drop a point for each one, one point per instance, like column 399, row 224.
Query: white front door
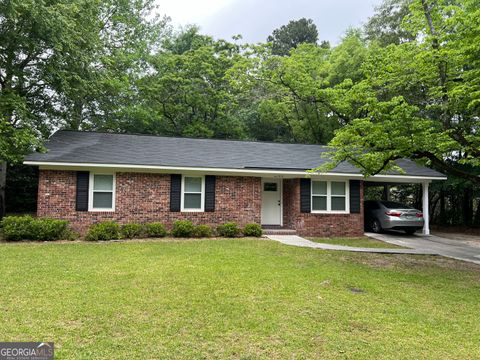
column 271, row 202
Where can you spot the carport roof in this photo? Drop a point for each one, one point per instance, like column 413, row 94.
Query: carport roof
column 82, row 148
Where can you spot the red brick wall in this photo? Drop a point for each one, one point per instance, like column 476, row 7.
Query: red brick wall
column 321, row 225
column 146, row 198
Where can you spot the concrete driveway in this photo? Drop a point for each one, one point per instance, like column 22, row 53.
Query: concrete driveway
column 456, row 249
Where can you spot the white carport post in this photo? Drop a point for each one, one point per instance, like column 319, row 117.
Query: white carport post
column 426, row 217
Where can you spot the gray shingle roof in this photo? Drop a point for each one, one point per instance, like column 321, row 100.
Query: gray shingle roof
column 126, row 149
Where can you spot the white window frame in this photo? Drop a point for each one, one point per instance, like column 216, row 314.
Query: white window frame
column 202, row 194
column 329, row 197
column 90, row 192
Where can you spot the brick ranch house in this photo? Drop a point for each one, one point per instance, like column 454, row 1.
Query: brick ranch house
column 87, row 177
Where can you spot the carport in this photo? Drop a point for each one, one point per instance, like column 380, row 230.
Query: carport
column 388, row 181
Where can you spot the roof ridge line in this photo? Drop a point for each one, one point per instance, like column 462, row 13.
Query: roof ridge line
column 186, row 137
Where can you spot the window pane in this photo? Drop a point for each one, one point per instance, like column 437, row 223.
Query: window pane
column 338, row 203
column 270, row 187
column 319, row 203
column 319, row 187
column 193, row 184
column 103, row 182
column 102, row 200
column 338, row 188
column 192, row 201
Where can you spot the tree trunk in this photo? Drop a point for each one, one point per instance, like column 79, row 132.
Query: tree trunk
column 3, row 183
column 441, row 216
column 477, row 215
column 433, row 212
column 467, row 206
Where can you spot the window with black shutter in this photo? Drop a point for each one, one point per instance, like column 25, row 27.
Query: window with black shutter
column 305, row 195
column 209, row 193
column 175, row 192
column 355, row 196
column 83, row 179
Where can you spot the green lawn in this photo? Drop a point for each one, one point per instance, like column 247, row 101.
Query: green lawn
column 240, row 299
column 358, row 242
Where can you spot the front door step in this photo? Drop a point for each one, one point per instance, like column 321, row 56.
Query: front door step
column 277, row 230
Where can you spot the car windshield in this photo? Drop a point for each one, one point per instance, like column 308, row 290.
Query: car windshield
column 395, row 205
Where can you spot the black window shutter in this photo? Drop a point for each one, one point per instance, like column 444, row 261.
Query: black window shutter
column 355, row 196
column 83, row 178
column 210, row 193
column 175, row 192
column 305, row 196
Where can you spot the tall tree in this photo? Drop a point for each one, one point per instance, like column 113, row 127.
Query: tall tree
column 289, row 36
column 422, row 97
column 385, row 26
column 62, row 62
column 187, row 91
column 303, row 96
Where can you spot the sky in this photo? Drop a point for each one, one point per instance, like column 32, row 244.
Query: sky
column 256, row 19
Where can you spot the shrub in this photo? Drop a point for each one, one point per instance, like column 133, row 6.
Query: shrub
column 107, row 230
column 49, row 229
column 202, row 231
column 155, row 230
column 28, row 228
column 229, row 229
column 130, row 231
column 252, row 230
column 17, row 227
column 183, row 228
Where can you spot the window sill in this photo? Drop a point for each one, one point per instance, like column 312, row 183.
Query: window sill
column 192, row 210
column 326, row 212
column 101, row 210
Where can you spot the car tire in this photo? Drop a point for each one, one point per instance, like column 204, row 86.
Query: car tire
column 410, row 231
column 376, row 226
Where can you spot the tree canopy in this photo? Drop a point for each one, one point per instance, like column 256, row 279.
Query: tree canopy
column 405, row 85
column 296, row 32
column 421, row 98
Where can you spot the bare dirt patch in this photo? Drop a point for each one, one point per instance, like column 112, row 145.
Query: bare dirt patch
column 411, row 262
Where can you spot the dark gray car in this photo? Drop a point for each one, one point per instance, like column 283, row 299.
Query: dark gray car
column 391, row 215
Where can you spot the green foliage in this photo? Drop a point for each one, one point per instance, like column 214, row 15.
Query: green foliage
column 202, row 231
column 385, row 26
column 183, row 228
column 421, row 96
column 405, row 86
column 187, row 39
column 155, row 230
column 15, row 142
column 289, row 36
column 130, row 231
column 188, row 92
column 229, row 229
column 17, row 227
column 252, row 230
column 28, row 228
column 107, row 230
column 68, row 63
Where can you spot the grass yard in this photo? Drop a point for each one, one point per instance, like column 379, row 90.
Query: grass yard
column 356, row 242
column 241, row 299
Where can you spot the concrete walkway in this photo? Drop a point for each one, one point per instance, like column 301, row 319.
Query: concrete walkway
column 454, row 249
column 295, row 240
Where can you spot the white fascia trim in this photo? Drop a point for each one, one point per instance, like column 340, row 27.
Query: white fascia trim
column 254, row 172
column 185, row 168
column 405, row 177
